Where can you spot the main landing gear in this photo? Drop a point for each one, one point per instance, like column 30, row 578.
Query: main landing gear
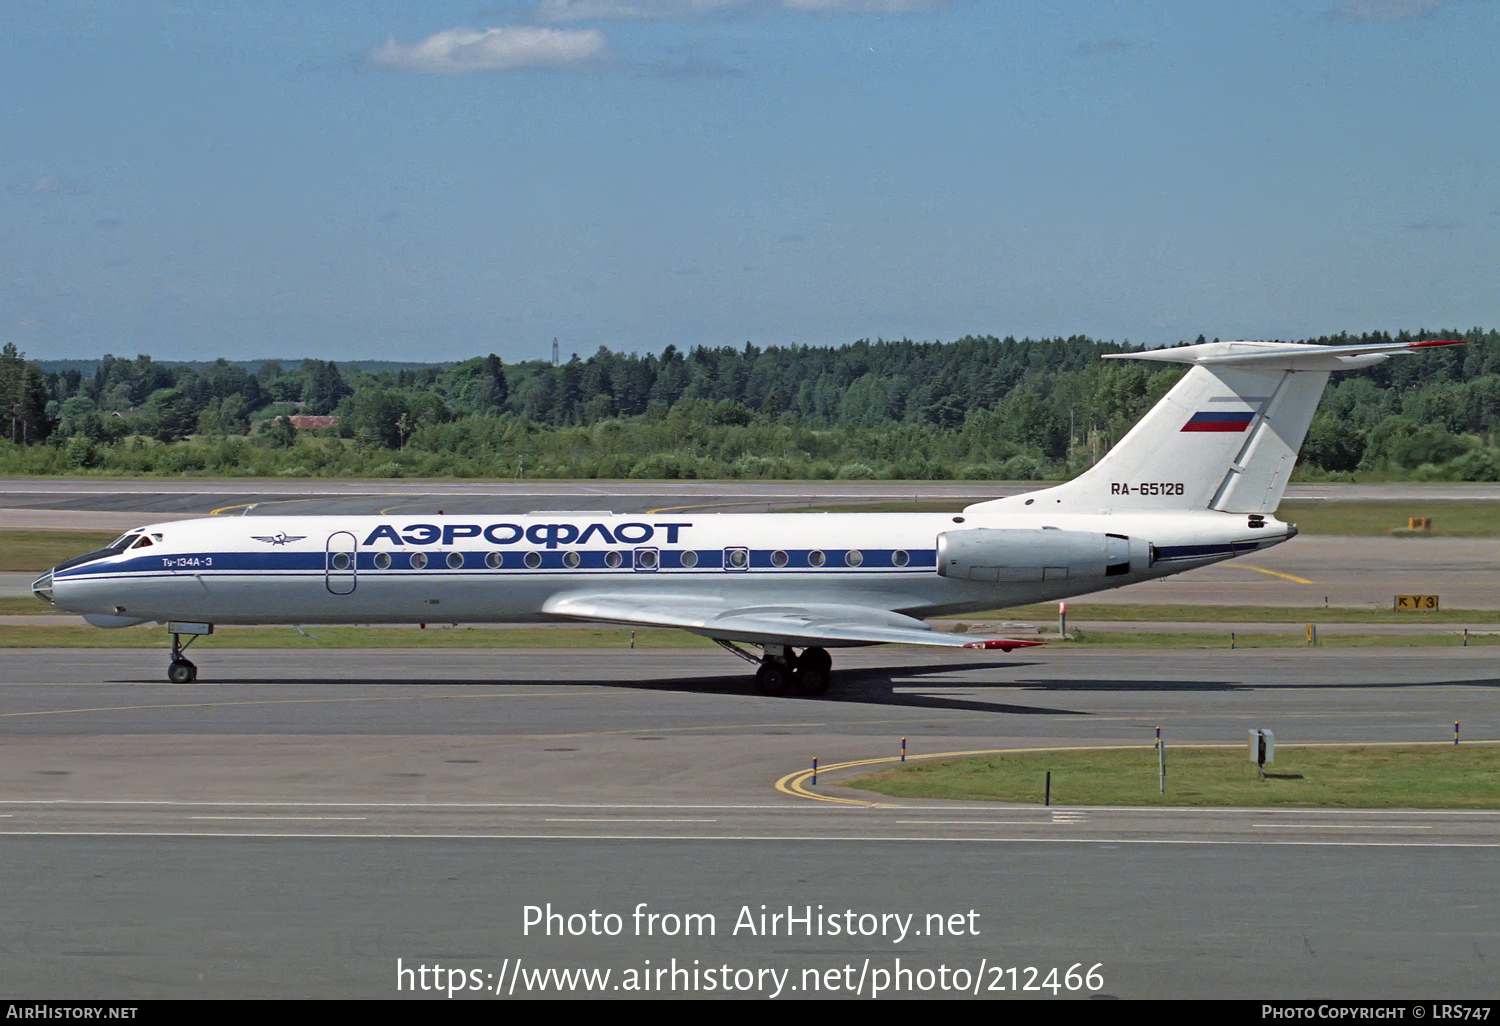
column 782, row 669
column 181, row 670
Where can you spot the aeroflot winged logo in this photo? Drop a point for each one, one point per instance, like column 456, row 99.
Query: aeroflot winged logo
column 1217, row 420
column 550, row 535
column 279, row 538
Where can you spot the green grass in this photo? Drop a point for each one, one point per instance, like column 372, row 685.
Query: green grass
column 1046, row 615
column 151, row 636
column 24, row 605
column 24, row 635
column 1453, row 518
column 1291, row 639
column 35, row 551
column 1438, row 776
column 892, row 506
column 1099, row 612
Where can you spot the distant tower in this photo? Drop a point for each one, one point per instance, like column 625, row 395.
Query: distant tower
column 554, row 351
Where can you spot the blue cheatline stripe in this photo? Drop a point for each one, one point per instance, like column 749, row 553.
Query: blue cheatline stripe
column 592, row 561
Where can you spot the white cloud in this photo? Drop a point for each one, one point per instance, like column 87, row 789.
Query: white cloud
column 1386, row 10
column 52, row 185
column 589, row 10
column 460, row 50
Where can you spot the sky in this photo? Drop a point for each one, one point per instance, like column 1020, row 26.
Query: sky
column 388, row 180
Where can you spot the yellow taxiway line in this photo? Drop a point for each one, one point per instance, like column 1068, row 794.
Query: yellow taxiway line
column 1277, row 573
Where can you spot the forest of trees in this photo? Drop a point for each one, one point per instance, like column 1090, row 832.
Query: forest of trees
column 979, row 408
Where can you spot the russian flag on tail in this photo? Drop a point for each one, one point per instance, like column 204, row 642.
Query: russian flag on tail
column 1216, row 420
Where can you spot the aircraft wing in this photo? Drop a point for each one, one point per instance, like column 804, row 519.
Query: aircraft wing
column 798, row 625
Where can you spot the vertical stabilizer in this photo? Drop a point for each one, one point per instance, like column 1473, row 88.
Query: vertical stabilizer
column 1225, row 438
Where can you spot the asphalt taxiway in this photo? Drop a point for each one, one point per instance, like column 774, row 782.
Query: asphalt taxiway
column 298, row 822
column 312, row 823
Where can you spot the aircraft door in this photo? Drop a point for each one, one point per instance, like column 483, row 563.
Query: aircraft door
column 340, row 562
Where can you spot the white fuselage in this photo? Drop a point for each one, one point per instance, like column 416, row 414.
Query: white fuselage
column 505, row 568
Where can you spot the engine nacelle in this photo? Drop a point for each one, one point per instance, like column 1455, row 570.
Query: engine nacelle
column 1037, row 554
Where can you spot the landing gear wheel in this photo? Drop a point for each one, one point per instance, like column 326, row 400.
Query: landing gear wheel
column 811, row 681
column 812, row 672
column 773, row 678
column 181, row 669
column 818, row 657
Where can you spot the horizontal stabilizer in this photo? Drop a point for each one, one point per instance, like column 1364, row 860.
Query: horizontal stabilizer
column 1283, row 355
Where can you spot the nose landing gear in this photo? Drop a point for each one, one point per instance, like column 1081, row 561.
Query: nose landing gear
column 182, row 670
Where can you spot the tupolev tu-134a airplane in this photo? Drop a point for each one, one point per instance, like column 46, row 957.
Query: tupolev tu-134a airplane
column 1196, row 481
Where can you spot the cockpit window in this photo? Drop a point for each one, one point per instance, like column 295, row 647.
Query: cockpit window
column 129, row 539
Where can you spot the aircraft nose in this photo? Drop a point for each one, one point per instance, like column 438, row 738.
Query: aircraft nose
column 42, row 587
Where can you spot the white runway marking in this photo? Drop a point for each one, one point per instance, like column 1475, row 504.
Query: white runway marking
column 319, row 819
column 621, row 819
column 773, row 838
column 1343, row 826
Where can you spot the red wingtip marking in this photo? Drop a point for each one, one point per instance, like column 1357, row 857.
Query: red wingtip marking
column 1437, row 342
column 1004, row 644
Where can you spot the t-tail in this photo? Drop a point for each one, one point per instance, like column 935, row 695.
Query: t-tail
column 1225, row 438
